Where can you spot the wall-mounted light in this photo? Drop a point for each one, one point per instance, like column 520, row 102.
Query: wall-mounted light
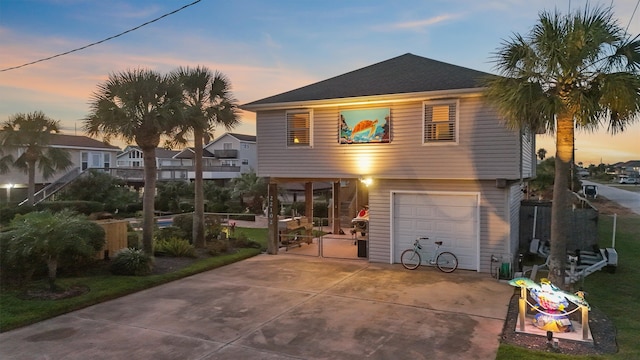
column 366, row 181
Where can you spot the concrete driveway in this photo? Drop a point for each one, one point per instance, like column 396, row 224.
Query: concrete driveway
column 284, row 307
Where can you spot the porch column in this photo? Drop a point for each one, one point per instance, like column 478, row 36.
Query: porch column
column 273, row 209
column 336, row 207
column 308, row 200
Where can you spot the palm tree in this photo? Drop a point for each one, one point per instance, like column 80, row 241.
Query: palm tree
column 137, row 105
column 29, row 135
column 575, row 71
column 249, row 184
column 542, row 153
column 207, row 102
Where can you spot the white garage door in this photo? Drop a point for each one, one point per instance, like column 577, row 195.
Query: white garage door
column 448, row 217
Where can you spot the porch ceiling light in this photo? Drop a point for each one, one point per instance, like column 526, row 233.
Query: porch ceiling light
column 366, row 180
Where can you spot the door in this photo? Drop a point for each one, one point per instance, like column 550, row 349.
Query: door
column 448, row 217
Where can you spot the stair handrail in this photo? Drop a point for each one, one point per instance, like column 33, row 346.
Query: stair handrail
column 55, row 186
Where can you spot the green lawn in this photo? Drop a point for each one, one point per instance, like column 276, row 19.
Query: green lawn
column 15, row 312
column 615, row 294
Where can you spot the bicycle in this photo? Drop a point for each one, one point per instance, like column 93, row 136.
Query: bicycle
column 444, row 260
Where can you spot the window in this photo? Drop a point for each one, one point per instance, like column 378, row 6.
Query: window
column 245, row 161
column 227, row 146
column 107, row 160
column 245, row 146
column 299, row 128
column 85, row 160
column 440, row 122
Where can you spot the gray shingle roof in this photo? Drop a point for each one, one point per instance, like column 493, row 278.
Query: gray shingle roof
column 64, row 140
column 407, row 73
column 243, row 137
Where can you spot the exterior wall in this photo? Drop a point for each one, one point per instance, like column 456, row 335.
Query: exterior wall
column 132, row 157
column 486, row 149
column 19, row 178
column 515, row 197
column 494, row 215
column 528, row 155
column 246, row 150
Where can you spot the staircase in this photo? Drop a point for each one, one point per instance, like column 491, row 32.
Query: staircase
column 55, row 186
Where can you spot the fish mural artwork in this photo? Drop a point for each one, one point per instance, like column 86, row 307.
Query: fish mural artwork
column 364, row 126
column 551, row 304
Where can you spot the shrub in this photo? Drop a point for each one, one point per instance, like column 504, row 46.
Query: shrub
column 242, row 241
column 212, row 225
column 133, row 240
column 170, row 232
column 9, row 212
column 217, row 247
column 176, row 247
column 79, row 206
column 131, row 262
column 15, row 269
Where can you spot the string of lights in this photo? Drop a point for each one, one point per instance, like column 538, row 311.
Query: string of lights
column 101, row 41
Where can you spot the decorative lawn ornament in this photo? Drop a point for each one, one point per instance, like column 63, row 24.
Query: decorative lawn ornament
column 551, row 303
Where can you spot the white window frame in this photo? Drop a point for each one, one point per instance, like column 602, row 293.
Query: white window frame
column 456, row 123
column 310, row 128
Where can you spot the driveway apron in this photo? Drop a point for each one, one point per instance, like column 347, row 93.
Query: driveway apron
column 284, row 307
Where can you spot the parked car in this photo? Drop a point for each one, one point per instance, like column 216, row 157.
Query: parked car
column 627, row 180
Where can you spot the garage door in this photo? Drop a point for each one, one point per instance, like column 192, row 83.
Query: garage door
column 448, row 217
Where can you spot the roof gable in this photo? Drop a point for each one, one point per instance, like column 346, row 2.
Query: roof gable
column 407, row 73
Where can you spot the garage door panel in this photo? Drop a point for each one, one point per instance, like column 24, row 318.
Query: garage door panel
column 450, row 218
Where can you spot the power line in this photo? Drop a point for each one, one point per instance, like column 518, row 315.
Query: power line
column 101, row 41
column 634, row 12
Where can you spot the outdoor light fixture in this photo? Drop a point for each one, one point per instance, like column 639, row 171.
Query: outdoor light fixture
column 366, row 181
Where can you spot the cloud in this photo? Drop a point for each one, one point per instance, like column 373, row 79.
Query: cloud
column 422, row 24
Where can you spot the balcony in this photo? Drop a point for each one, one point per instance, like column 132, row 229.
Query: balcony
column 169, row 173
column 226, row 154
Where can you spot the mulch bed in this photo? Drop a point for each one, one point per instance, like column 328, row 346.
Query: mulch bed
column 602, row 330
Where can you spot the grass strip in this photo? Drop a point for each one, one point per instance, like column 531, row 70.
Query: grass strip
column 16, row 312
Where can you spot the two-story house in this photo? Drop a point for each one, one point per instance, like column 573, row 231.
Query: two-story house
column 224, row 158
column 438, row 160
column 86, row 153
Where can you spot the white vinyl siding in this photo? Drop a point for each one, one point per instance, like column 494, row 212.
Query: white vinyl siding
column 440, row 122
column 299, row 128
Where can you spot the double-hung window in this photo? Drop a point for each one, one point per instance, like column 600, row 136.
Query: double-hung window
column 440, row 122
column 299, row 128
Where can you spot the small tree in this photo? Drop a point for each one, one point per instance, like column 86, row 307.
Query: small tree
column 47, row 237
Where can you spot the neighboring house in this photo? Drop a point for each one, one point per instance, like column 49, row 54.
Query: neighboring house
column 86, row 153
column 442, row 163
column 130, row 165
column 224, row 158
column 630, row 168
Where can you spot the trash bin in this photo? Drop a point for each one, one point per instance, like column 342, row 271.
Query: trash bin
column 362, row 248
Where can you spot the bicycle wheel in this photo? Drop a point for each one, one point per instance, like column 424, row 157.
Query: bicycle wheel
column 410, row 259
column 447, row 262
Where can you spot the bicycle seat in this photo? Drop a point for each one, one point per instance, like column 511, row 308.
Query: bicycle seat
column 438, row 243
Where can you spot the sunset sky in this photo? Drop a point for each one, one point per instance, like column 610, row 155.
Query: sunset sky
column 264, row 47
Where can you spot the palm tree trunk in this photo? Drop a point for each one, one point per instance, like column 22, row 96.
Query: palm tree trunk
column 198, row 210
column 560, row 208
column 52, row 267
column 148, row 210
column 31, row 183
